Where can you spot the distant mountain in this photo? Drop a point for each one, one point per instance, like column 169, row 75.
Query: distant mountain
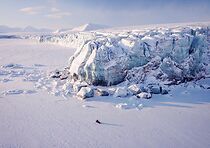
column 6, row 29
column 33, row 29
column 82, row 28
column 62, row 30
column 89, row 27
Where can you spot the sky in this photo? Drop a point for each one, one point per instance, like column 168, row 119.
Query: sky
column 70, row 13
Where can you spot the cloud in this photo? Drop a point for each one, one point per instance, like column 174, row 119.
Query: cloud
column 53, row 2
column 32, row 10
column 58, row 15
column 53, row 9
column 50, row 12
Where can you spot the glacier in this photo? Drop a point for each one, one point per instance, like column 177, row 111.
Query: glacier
column 169, row 55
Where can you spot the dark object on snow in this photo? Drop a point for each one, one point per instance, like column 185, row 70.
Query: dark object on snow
column 63, row 77
column 97, row 121
column 55, row 76
column 75, row 76
column 156, row 45
column 9, row 37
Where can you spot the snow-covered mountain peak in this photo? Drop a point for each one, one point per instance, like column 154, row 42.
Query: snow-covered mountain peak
column 6, row 29
column 89, row 27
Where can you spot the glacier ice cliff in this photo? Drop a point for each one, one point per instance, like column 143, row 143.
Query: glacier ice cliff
column 172, row 55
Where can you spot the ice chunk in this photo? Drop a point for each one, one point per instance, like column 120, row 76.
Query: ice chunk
column 140, row 107
column 144, row 95
column 13, row 92
column 122, row 106
column 78, row 86
column 100, row 92
column 85, row 92
column 134, row 89
column 12, row 65
column 121, row 92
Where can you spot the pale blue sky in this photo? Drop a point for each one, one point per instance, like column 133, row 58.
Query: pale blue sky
column 70, row 13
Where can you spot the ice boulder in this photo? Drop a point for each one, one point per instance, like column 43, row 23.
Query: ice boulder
column 121, row 92
column 100, row 92
column 122, row 106
column 85, row 92
column 144, row 95
column 78, row 86
column 155, row 89
column 134, row 89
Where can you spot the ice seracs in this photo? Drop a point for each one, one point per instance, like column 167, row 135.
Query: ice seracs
column 152, row 57
column 107, row 60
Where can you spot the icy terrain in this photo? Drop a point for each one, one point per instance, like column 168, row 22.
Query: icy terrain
column 39, row 104
column 152, row 58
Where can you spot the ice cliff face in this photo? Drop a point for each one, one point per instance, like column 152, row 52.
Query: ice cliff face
column 74, row 40
column 168, row 55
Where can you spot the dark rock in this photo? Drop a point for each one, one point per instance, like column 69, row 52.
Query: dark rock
column 55, row 76
column 63, row 77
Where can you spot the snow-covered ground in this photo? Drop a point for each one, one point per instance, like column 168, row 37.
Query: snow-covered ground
column 35, row 113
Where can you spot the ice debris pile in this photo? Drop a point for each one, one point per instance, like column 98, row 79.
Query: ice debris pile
column 16, row 72
column 139, row 62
